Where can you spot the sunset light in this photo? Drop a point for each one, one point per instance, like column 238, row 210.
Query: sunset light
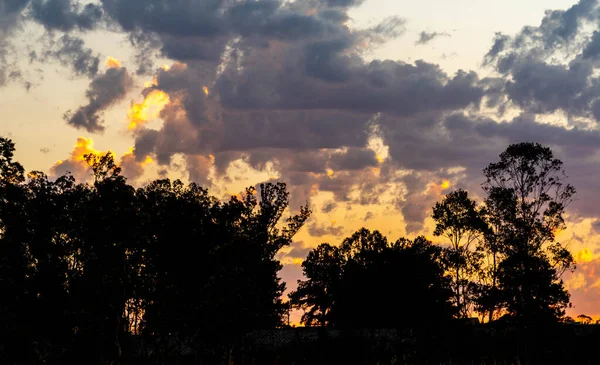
column 112, row 62
column 188, row 182
column 150, row 108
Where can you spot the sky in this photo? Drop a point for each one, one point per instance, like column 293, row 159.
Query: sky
column 370, row 110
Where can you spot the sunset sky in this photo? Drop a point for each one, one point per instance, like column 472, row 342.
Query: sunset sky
column 370, row 110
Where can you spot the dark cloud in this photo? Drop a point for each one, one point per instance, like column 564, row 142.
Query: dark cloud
column 329, row 206
column 198, row 168
column 354, row 159
column 130, row 168
column 368, row 216
column 66, row 15
column 343, row 3
column 596, row 226
column 71, row 51
column 287, row 85
column 104, row 91
column 319, row 230
column 425, row 37
column 592, row 48
column 10, row 20
column 299, row 250
column 45, row 150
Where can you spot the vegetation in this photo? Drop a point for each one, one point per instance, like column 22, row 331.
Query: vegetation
column 509, row 239
column 107, row 273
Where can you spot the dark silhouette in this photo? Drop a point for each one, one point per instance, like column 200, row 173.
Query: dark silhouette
column 527, row 197
column 86, row 269
column 105, row 273
column 370, row 283
column 458, row 219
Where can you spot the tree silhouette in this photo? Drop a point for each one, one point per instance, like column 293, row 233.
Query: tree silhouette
column 458, row 220
column 369, row 283
column 584, row 319
column 83, row 268
column 526, row 199
column 316, row 296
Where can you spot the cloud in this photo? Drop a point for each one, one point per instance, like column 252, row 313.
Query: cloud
column 319, row 230
column 65, row 15
column 299, row 250
column 75, row 163
column 289, row 86
column 10, row 20
column 584, row 287
column 78, row 167
column 103, row 91
column 71, row 51
column 131, row 167
column 329, row 206
column 425, row 37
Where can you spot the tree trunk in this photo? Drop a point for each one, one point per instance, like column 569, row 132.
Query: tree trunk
column 458, row 292
column 493, row 284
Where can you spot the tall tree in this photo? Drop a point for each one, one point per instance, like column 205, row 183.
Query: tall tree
column 527, row 198
column 458, row 220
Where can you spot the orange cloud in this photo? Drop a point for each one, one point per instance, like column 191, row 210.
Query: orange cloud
column 131, row 168
column 584, row 255
column 584, row 287
column 141, row 113
column 112, row 62
column 76, row 162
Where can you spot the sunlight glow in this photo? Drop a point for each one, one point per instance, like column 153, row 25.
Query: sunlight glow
column 584, row 255
column 150, row 108
column 112, row 62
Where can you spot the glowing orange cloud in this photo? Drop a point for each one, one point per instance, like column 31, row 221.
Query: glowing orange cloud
column 76, row 162
column 205, row 89
column 82, row 147
column 150, row 108
column 112, row 62
column 445, row 184
column 154, row 82
column 584, row 255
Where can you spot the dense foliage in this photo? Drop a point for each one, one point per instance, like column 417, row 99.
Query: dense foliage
column 84, row 267
column 500, row 258
column 104, row 272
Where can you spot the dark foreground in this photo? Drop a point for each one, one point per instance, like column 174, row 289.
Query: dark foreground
column 560, row 344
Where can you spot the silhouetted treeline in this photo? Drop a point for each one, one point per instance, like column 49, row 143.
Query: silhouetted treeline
column 106, row 273
column 85, row 267
column 501, row 259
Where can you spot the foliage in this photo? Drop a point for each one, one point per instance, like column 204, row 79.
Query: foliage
column 526, row 199
column 83, row 268
column 370, row 283
column 458, row 220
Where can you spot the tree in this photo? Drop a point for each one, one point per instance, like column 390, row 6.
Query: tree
column 526, row 198
column 584, row 319
column 370, row 283
column 458, row 219
column 316, row 296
